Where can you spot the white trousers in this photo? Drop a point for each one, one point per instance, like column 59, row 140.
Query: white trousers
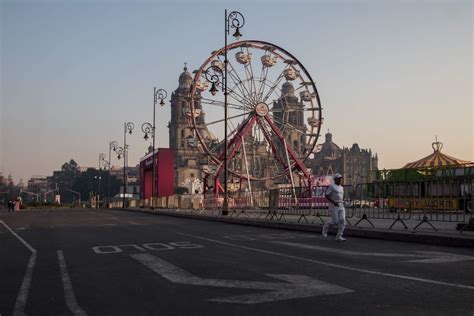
column 338, row 217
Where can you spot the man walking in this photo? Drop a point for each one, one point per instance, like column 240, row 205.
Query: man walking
column 335, row 196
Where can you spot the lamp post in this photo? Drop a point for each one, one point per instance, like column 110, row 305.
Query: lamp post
column 120, row 152
column 233, row 20
column 98, row 190
column 112, row 145
column 148, row 128
column 127, row 128
column 103, row 163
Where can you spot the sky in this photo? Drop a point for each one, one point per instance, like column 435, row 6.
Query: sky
column 391, row 75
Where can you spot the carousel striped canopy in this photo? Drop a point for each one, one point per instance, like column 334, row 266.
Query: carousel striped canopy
column 436, row 159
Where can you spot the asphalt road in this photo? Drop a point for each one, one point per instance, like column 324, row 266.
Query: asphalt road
column 87, row 262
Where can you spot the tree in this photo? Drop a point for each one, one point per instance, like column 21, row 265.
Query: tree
column 64, row 178
column 10, row 180
column 88, row 182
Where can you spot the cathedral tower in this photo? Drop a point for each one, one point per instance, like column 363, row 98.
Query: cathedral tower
column 289, row 117
column 188, row 158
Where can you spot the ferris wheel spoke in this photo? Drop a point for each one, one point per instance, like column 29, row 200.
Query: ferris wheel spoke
column 289, row 126
column 239, row 98
column 280, row 110
column 299, row 88
column 221, row 104
column 250, row 82
column 241, row 92
column 233, row 128
column 263, row 78
column 234, row 75
column 229, row 118
column 251, row 77
column 272, row 88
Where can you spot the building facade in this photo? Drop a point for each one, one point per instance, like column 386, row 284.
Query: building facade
column 190, row 162
column 353, row 163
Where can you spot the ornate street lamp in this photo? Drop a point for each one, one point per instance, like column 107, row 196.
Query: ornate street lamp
column 128, row 128
column 98, row 178
column 122, row 151
column 148, row 128
column 112, row 145
column 234, row 20
column 119, row 152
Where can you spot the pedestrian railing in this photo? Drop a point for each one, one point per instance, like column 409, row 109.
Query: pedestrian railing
column 363, row 207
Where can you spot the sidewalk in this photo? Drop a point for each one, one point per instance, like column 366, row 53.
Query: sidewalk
column 445, row 233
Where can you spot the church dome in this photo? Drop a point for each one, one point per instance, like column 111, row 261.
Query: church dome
column 287, row 88
column 185, row 79
column 329, row 148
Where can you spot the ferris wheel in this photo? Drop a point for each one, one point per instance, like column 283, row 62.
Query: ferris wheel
column 273, row 113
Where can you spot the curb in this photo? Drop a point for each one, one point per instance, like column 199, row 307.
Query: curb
column 432, row 239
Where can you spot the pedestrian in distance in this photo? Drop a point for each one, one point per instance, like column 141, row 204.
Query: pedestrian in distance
column 197, row 200
column 335, row 195
column 10, row 206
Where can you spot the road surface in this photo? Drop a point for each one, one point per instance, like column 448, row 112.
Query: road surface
column 102, row 262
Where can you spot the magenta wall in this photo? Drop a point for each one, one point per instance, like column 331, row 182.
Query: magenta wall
column 164, row 179
column 165, row 172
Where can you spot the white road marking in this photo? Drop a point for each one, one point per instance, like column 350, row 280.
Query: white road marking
column 274, row 236
column 134, row 223
column 333, row 265
column 430, row 256
column 144, row 247
column 298, row 286
column 133, row 246
column 441, row 257
column 22, row 297
column 99, row 249
column 71, row 301
column 27, row 245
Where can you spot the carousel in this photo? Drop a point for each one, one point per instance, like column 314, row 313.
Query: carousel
column 436, row 182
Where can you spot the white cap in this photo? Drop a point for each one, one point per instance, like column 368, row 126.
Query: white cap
column 337, row 176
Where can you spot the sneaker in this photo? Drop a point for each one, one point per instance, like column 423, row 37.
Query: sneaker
column 325, row 231
column 340, row 238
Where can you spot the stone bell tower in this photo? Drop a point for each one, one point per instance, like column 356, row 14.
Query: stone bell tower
column 289, row 117
column 188, row 158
